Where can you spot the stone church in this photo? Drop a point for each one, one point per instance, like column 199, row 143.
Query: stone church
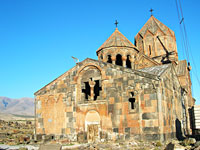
column 136, row 91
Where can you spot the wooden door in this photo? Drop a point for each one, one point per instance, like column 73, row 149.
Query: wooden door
column 93, row 132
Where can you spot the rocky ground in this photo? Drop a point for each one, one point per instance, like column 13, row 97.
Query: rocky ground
column 18, row 135
column 16, row 132
column 187, row 144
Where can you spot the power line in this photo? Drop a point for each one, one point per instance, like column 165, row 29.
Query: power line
column 182, row 21
column 182, row 34
column 185, row 38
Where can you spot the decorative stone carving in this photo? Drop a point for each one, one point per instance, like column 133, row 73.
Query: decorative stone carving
column 92, row 84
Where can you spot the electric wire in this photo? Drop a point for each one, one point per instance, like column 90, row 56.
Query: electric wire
column 182, row 35
column 185, row 38
column 184, row 29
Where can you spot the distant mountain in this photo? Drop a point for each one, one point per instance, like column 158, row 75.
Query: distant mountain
column 23, row 106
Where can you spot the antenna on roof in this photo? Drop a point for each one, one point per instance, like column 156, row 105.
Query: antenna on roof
column 76, row 60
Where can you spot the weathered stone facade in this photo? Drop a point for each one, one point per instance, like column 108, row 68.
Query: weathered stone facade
column 131, row 92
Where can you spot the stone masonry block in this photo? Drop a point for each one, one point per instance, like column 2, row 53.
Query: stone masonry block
column 70, row 119
column 148, row 116
column 148, row 103
column 63, row 130
column 110, row 108
column 150, row 129
column 153, row 96
column 151, row 137
column 142, row 97
column 118, row 111
column 127, row 130
column 40, row 120
column 117, row 99
column 69, row 114
column 70, row 124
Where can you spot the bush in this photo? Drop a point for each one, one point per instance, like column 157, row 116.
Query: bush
column 158, row 144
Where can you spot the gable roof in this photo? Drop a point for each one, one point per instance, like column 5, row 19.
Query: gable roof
column 89, row 60
column 117, row 39
column 153, row 25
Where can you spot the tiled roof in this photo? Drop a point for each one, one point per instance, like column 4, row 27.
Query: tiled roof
column 156, row 70
column 117, row 39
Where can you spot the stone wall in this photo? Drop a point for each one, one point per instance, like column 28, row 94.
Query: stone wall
column 129, row 104
column 173, row 107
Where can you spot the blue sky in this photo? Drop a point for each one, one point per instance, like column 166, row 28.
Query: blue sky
column 38, row 37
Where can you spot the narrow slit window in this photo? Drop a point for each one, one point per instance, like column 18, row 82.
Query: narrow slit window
column 149, row 50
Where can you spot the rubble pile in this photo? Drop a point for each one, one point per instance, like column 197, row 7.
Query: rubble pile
column 16, row 132
column 187, row 144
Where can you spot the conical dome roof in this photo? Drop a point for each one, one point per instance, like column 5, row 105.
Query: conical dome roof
column 117, row 39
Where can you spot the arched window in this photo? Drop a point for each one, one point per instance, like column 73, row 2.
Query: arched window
column 90, row 85
column 119, row 60
column 128, row 62
column 109, row 59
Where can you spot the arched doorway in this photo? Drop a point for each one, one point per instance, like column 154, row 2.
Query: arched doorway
column 92, row 125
